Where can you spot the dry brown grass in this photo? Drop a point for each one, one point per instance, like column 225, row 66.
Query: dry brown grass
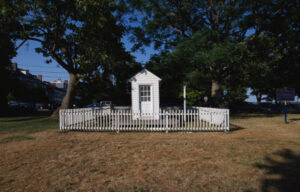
column 78, row 161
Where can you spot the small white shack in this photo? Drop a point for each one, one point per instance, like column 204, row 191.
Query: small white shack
column 145, row 95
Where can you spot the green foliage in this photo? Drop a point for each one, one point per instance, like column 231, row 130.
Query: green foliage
column 193, row 96
column 217, row 48
column 261, row 62
column 204, row 40
column 10, row 97
column 235, row 44
column 7, row 52
column 165, row 23
column 113, row 86
column 7, row 49
column 274, row 61
column 200, row 59
column 83, row 37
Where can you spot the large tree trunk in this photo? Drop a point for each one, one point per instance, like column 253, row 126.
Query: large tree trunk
column 215, row 92
column 258, row 98
column 68, row 99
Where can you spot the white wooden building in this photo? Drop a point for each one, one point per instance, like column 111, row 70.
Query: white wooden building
column 145, row 113
column 145, row 95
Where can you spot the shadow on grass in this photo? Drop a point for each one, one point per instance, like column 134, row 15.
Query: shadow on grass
column 16, row 138
column 235, row 127
column 26, row 114
column 294, row 119
column 30, row 125
column 254, row 115
column 25, row 118
column 288, row 169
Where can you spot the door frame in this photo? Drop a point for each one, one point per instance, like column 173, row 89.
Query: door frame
column 151, row 96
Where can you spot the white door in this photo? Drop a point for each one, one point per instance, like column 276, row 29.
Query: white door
column 146, row 105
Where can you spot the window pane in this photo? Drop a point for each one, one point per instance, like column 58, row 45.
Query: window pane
column 145, row 94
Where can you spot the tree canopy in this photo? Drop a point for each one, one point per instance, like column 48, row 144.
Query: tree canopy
column 218, row 48
column 221, row 48
column 8, row 34
column 83, row 37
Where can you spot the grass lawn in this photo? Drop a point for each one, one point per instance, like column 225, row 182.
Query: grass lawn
column 260, row 154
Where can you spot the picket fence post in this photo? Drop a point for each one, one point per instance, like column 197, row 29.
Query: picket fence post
column 118, row 122
column 167, row 122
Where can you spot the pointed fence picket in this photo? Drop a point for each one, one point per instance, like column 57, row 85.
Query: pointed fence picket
column 96, row 119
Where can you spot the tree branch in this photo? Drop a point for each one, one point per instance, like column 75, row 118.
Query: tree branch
column 35, row 39
column 62, row 63
column 175, row 29
column 21, row 44
column 59, row 60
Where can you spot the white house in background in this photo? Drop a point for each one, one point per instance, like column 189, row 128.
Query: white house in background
column 145, row 95
column 60, row 84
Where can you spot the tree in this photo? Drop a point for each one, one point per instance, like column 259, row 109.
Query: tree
column 274, row 44
column 172, row 75
column 112, row 86
column 8, row 33
column 7, row 52
column 285, row 28
column 167, row 23
column 262, row 61
column 82, row 36
column 196, row 62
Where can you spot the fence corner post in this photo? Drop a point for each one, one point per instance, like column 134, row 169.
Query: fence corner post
column 60, row 120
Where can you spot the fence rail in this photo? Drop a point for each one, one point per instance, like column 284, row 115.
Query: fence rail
column 93, row 119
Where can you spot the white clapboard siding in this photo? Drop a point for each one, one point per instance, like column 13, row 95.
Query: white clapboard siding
column 145, row 77
column 97, row 119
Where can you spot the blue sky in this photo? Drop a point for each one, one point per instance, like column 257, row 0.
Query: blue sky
column 27, row 58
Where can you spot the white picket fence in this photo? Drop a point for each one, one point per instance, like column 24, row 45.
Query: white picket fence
column 96, row 119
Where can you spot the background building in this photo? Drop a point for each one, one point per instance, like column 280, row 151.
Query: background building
column 26, row 87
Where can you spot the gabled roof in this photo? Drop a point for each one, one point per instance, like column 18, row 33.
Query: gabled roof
column 144, row 71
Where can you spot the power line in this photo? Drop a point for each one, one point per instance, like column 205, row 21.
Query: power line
column 56, row 77
column 48, row 72
column 44, row 65
column 35, row 66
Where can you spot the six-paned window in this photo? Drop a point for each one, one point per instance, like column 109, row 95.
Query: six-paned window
column 145, row 93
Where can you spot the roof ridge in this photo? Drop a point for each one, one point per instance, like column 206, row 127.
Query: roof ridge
column 146, row 71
